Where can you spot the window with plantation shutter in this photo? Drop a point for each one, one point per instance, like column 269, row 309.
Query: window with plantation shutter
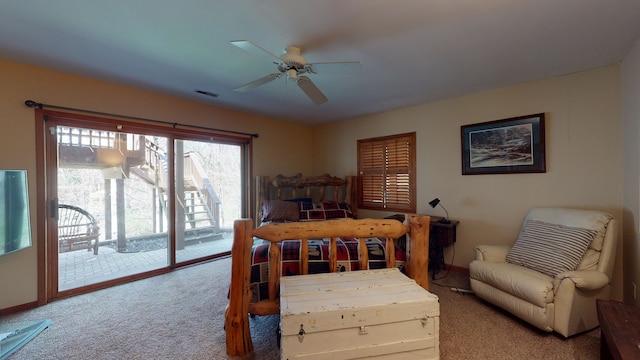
column 386, row 173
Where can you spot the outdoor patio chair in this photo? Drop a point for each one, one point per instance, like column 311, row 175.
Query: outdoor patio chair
column 77, row 229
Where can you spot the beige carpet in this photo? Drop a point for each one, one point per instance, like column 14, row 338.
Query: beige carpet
column 180, row 316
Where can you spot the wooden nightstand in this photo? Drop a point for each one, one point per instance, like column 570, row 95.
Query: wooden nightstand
column 441, row 235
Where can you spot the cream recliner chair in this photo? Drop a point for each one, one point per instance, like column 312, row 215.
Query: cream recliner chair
column 552, row 275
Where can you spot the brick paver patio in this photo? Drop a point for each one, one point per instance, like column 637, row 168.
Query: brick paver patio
column 82, row 267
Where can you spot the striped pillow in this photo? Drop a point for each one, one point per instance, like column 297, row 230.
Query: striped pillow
column 550, row 248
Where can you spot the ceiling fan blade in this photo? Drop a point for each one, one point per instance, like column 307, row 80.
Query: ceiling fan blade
column 337, row 68
column 248, row 46
column 311, row 90
column 255, row 83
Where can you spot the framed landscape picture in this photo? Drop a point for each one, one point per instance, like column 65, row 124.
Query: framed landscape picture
column 514, row 145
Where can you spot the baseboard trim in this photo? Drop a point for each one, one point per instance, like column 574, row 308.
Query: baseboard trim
column 458, row 269
column 18, row 308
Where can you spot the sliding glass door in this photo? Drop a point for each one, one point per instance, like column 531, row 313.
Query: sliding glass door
column 110, row 205
column 208, row 197
column 129, row 202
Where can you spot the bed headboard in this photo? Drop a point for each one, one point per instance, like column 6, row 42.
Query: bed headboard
column 319, row 188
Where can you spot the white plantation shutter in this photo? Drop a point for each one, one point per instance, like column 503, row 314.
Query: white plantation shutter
column 386, row 169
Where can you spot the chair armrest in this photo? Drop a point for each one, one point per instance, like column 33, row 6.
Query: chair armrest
column 492, row 253
column 585, row 279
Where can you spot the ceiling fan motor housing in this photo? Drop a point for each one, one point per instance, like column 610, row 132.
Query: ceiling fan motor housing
column 293, row 62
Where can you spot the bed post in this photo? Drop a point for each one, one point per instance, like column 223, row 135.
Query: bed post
column 351, row 193
column 237, row 312
column 261, row 194
column 418, row 248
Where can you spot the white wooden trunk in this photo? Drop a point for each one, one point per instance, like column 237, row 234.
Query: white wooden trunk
column 358, row 314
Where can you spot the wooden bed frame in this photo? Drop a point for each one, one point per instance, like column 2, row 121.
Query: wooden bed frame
column 416, row 227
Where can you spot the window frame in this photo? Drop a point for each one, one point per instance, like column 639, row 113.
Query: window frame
column 399, row 149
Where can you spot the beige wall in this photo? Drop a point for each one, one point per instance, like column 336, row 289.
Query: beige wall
column 584, row 150
column 631, row 203
column 19, row 82
column 584, row 155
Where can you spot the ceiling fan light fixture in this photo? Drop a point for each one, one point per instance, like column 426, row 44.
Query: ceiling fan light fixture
column 292, row 74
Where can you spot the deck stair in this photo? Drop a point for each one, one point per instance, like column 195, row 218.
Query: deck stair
column 142, row 158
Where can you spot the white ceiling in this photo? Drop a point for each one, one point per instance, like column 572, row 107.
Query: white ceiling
column 412, row 51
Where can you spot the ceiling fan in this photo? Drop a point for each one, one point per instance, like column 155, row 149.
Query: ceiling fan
column 293, row 65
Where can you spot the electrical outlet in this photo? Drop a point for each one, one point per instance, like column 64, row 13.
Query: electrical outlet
column 635, row 294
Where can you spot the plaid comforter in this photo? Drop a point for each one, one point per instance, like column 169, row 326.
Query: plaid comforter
column 347, row 253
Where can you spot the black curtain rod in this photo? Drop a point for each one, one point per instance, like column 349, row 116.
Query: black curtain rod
column 33, row 104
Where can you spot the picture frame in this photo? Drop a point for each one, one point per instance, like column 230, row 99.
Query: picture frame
column 507, row 146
